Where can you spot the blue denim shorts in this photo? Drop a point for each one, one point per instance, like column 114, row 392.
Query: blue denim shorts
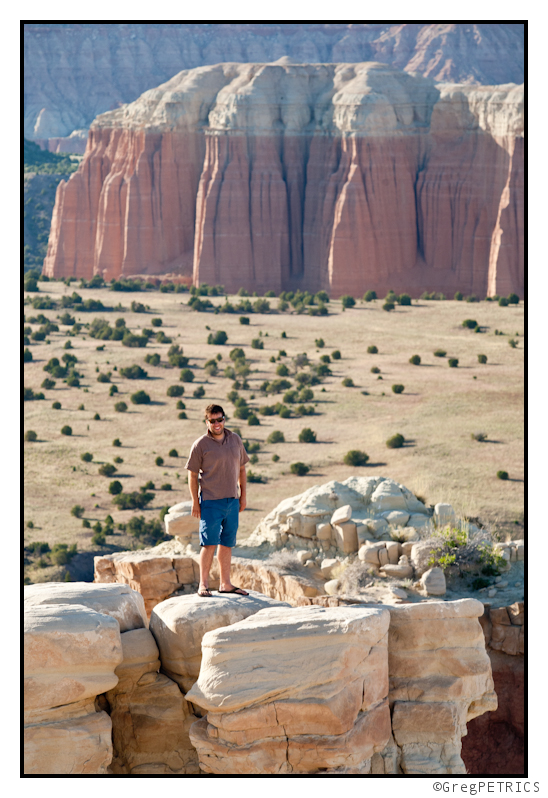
column 219, row 522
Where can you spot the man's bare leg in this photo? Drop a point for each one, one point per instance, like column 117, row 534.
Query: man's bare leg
column 224, row 556
column 206, row 558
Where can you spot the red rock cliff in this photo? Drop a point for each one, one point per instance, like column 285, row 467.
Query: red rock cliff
column 346, row 177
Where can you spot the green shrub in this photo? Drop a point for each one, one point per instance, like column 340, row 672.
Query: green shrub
column 27, row 356
column 156, row 322
column 300, row 469
column 87, row 457
column 187, row 375
column 256, row 343
column 502, row 474
column 388, row 306
column 77, row 511
column 284, row 412
column 159, row 461
column 267, row 410
column 369, row 296
column 120, row 407
column 153, row 359
column 348, row 382
column 115, row 488
column 218, row 338
column 503, row 302
column 453, row 362
column 283, row 335
column 140, row 398
column 440, row 353
column 66, row 430
column 479, row 583
column 253, row 420
column 30, row 435
column 415, row 360
column 198, row 392
column 320, row 343
column 479, row 436
column 244, row 319
column 48, row 384
column 470, row 323
column 396, row 441
column 307, row 435
column 458, row 296
column 290, row 397
column 513, row 299
column 112, row 390
column 325, row 359
column 56, row 405
column 375, row 370
column 175, row 390
column 306, row 395
column 104, row 377
column 282, row 370
column 372, row 350
column 348, row 301
column 276, row 437
column 180, row 405
column 98, row 539
column 398, row 388
column 336, row 355
column 355, row 458
column 116, row 442
column 97, row 417
column 182, row 414
column 134, row 340
column 107, row 470
column 37, row 547
column 173, row 453
column 404, row 299
column 482, row 358
column 134, row 373
column 132, row 501
column 513, row 343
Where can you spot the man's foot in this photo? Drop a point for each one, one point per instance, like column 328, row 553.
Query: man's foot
column 204, row 592
column 238, row 590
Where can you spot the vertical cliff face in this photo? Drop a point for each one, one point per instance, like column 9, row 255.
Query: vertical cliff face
column 345, row 177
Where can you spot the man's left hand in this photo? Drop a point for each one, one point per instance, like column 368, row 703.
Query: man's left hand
column 243, row 503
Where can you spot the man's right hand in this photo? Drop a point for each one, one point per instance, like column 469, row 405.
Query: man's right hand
column 196, row 513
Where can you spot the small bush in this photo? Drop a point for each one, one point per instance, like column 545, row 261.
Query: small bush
column 132, row 373
column 453, row 362
column 153, row 359
column 48, row 384
column 97, row 417
column 182, row 414
column 513, row 343
column 56, row 405
column 244, row 319
column 404, row 299
column 253, row 420
column 348, row 301
column 187, row 375
column 440, row 353
column 300, row 469
column 307, row 435
column 115, row 488
column 320, row 343
column 133, row 501
column 140, row 398
column 369, row 296
column 372, row 350
column 336, row 355
column 479, row 436
column 252, row 477
column 502, row 474
column 218, row 338
column 87, row 457
column 66, row 430
column 470, row 323
column 513, row 299
column 98, row 539
column 415, row 360
column 275, row 458
column 198, row 392
column 276, row 437
column 104, row 377
column 134, row 340
column 256, row 343
column 348, row 382
column 398, row 388
column 77, row 511
column 27, row 356
column 375, row 370
column 166, row 486
column 159, row 461
column 156, row 322
column 116, row 442
column 479, row 583
column 173, row 453
column 482, row 358
column 396, row 441
column 458, row 296
column 503, row 302
column 388, row 306
column 284, row 412
column 30, row 435
column 175, row 390
column 120, row 407
column 355, row 458
column 107, row 470
column 180, row 405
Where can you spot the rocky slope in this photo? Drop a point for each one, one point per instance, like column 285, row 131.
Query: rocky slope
column 75, row 71
column 343, row 177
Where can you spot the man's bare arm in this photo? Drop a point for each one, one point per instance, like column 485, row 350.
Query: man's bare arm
column 243, row 488
column 193, row 486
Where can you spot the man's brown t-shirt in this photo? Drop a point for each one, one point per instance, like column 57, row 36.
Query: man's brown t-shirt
column 218, row 465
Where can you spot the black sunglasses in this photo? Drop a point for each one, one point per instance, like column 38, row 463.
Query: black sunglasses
column 219, row 420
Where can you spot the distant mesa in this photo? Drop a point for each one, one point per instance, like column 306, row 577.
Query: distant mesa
column 344, row 177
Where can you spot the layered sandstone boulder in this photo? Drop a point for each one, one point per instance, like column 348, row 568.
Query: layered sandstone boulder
column 70, row 655
column 269, row 713
column 180, row 623
column 272, row 176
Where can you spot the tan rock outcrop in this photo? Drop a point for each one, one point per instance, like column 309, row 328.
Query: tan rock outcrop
column 70, row 654
column 287, row 718
column 269, row 176
column 179, row 624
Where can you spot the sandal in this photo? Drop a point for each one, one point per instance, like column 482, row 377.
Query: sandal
column 204, row 592
column 238, row 590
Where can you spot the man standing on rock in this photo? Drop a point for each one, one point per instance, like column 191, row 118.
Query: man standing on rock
column 216, row 467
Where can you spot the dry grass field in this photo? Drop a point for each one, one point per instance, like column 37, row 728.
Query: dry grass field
column 437, row 412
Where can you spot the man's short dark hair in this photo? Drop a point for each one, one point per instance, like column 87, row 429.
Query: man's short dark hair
column 210, row 409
